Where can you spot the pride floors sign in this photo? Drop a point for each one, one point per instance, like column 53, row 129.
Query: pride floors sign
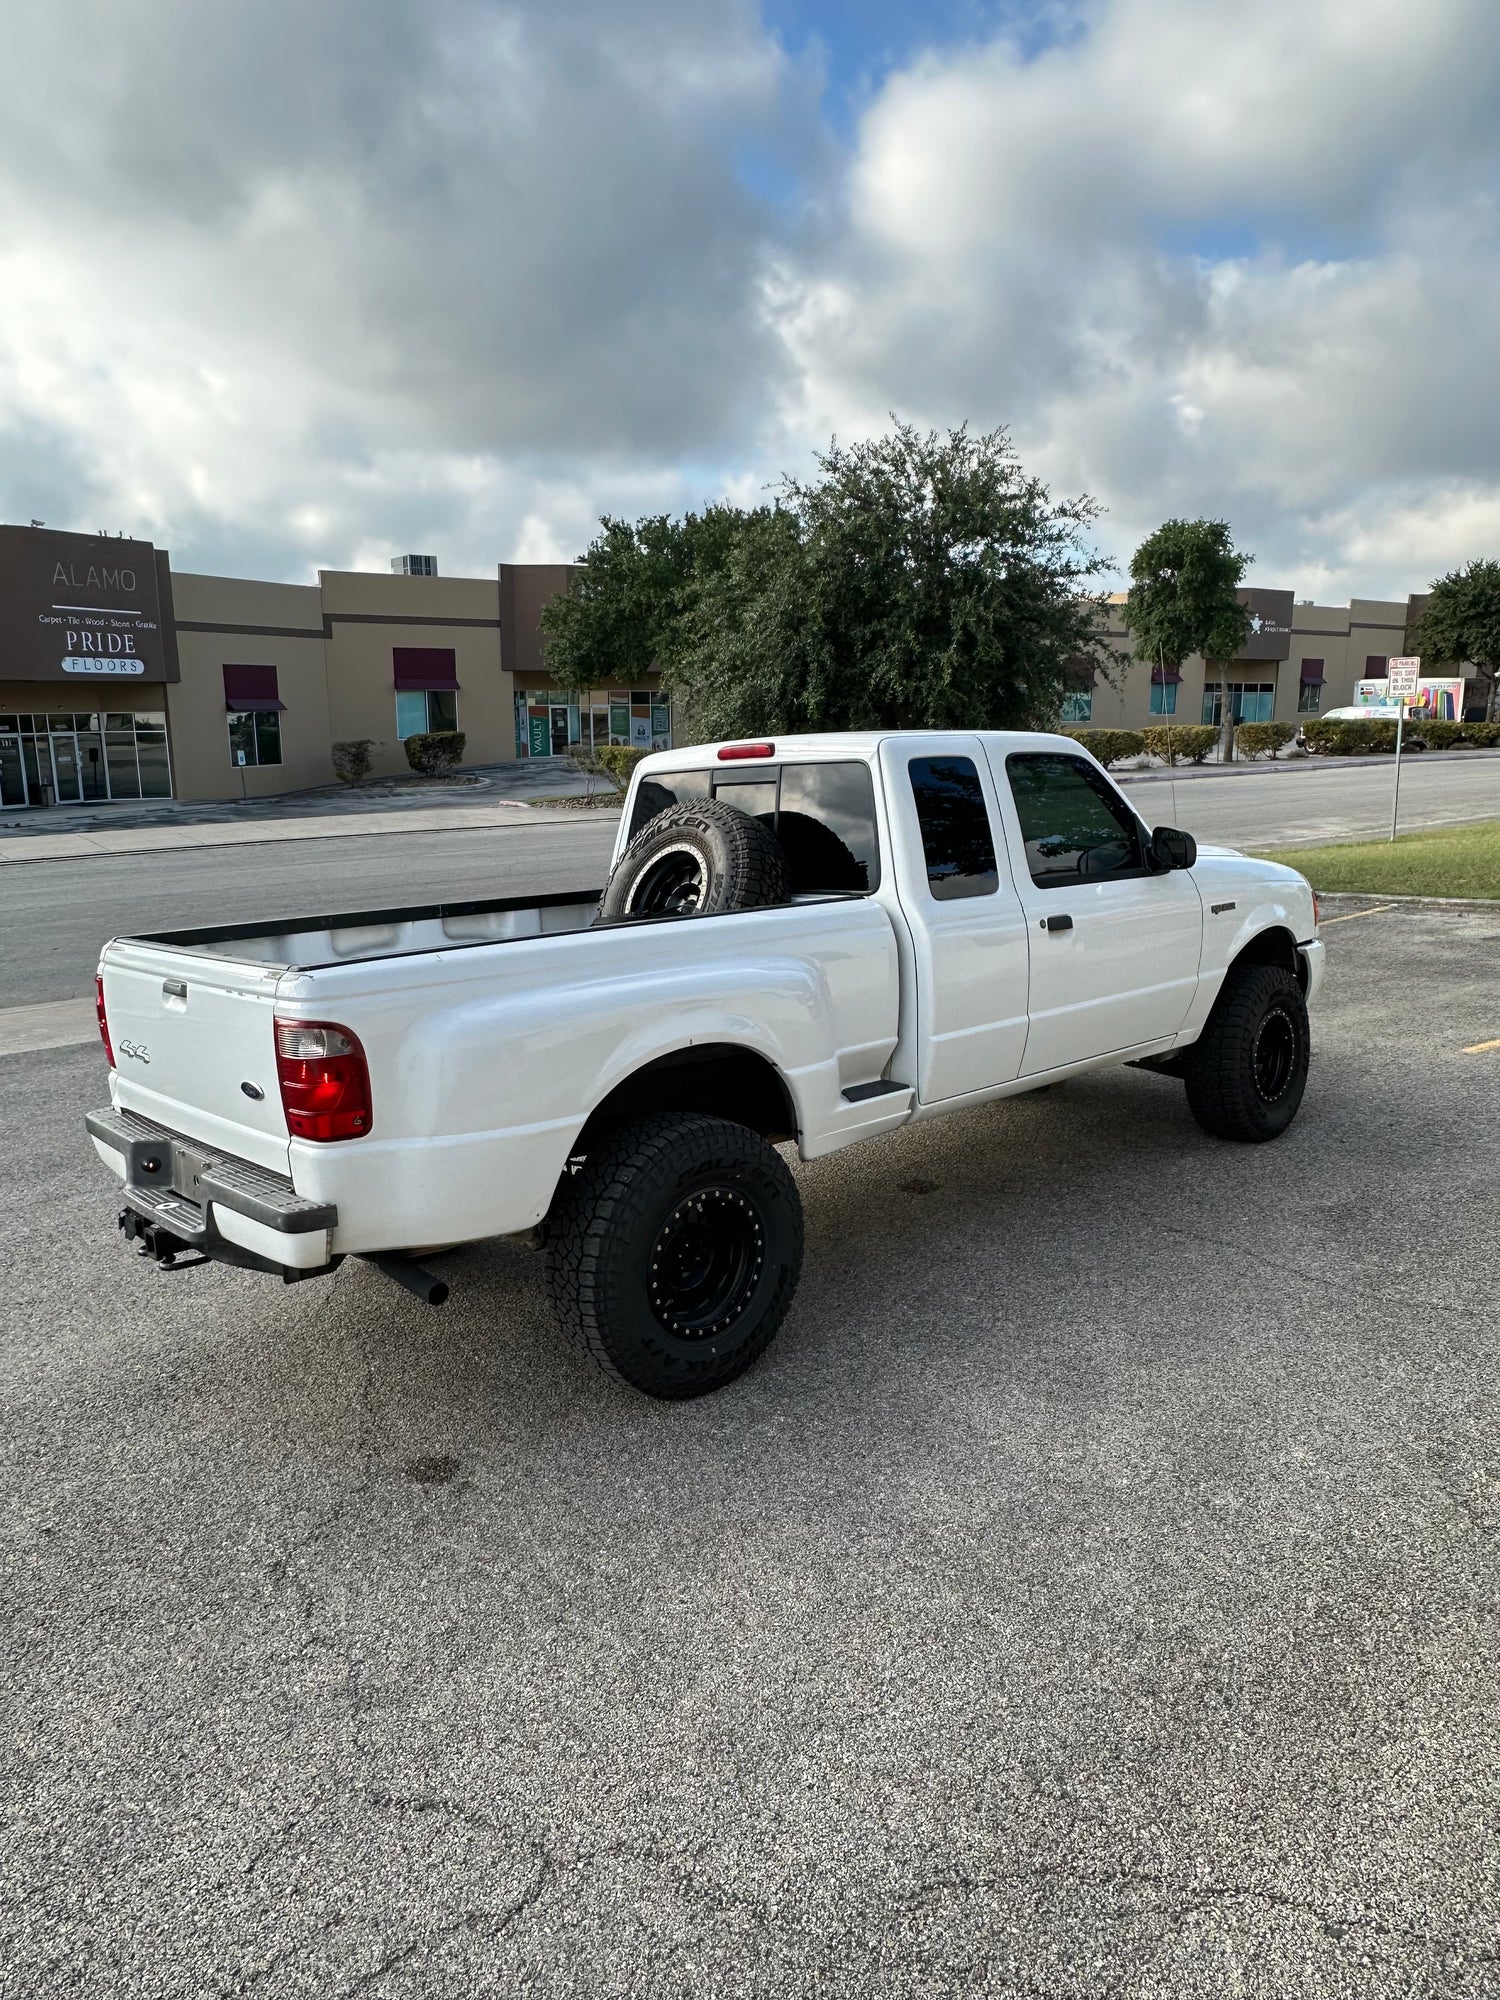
column 79, row 606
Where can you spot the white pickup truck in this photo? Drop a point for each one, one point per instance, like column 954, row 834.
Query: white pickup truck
column 810, row 941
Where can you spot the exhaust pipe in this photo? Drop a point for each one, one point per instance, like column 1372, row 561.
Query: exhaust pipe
column 421, row 1284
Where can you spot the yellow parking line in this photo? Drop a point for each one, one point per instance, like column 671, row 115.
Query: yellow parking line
column 1354, row 915
column 1481, row 1048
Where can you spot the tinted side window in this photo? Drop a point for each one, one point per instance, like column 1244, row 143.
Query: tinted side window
column 1074, row 827
column 654, row 795
column 956, row 838
column 827, row 828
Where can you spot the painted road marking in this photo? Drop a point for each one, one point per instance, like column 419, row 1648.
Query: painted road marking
column 1353, row 914
column 1481, row 1048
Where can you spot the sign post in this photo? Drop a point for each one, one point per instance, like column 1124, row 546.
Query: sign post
column 1401, row 685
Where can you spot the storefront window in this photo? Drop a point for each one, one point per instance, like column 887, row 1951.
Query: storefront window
column 1252, row 701
column 424, row 711
column 1078, row 706
column 255, row 738
column 1164, row 697
column 65, row 758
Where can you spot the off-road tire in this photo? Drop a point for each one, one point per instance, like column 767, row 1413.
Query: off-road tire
column 624, row 1223
column 698, row 858
column 1246, row 1073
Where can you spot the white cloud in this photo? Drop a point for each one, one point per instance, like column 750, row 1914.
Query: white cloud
column 314, row 285
column 1135, row 249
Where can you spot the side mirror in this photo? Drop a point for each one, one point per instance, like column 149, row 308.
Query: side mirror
column 1171, row 848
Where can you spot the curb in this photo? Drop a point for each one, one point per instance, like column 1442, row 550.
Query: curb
column 1248, row 767
column 354, row 830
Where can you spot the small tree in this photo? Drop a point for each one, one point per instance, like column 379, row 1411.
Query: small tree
column 1182, row 600
column 352, row 759
column 1460, row 624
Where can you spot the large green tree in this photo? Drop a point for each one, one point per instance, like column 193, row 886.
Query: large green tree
column 1460, row 624
column 918, row 581
column 1184, row 581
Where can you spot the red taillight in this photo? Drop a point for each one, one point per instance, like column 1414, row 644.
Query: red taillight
column 103, row 1017
column 325, row 1082
column 732, row 752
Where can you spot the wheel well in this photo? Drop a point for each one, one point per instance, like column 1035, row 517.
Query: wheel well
column 1275, row 946
column 717, row 1078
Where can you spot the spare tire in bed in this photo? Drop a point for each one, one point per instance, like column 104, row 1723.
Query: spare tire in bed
column 695, row 860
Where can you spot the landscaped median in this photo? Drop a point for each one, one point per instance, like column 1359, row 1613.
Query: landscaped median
column 1459, row 861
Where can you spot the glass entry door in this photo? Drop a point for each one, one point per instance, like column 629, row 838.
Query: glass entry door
column 67, row 788
column 559, row 732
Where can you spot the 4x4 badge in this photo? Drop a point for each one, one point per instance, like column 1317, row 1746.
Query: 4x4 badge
column 136, row 1049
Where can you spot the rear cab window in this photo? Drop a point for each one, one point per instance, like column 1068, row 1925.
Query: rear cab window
column 823, row 814
column 958, row 843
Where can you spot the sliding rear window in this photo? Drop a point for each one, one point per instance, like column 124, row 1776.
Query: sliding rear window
column 823, row 815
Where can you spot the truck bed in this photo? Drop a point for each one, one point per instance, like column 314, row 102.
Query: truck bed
column 351, row 936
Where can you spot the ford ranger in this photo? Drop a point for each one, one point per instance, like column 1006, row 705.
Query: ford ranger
column 805, row 942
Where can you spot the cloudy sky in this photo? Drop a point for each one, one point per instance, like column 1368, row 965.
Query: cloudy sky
column 305, row 283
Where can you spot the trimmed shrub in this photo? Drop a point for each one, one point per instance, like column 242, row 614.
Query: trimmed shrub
column 1263, row 739
column 1481, row 735
column 1350, row 739
column 1190, row 741
column 1110, row 746
column 614, row 761
column 1436, row 735
column 436, row 752
column 351, row 760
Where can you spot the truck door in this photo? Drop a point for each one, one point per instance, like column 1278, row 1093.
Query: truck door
column 1114, row 946
column 967, row 925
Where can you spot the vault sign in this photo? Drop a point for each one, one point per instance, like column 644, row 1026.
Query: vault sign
column 78, row 607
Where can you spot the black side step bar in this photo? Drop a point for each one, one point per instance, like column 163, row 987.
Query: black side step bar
column 859, row 1093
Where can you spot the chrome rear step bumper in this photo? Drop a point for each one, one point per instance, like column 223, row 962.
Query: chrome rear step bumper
column 180, row 1196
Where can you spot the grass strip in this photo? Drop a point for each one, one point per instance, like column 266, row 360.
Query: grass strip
column 1444, row 861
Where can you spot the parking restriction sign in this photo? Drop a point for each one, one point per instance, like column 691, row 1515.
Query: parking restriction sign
column 1401, row 676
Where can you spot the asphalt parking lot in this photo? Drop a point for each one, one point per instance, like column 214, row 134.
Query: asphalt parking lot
column 1092, row 1593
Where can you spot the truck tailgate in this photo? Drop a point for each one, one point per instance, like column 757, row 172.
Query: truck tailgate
column 194, row 1041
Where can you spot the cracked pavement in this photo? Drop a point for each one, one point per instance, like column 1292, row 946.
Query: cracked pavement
column 1092, row 1593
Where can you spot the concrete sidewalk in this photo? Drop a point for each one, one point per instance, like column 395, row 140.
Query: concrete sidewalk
column 255, row 833
column 490, row 795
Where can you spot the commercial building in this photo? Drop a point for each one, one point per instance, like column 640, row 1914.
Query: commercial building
column 1300, row 660
column 121, row 678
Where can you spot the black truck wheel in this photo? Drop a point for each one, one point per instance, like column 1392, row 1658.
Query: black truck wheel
column 695, row 859
column 1246, row 1073
column 674, row 1251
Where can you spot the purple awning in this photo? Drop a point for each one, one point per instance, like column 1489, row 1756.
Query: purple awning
column 425, row 668
column 251, row 690
column 1079, row 673
column 1312, row 670
column 1165, row 676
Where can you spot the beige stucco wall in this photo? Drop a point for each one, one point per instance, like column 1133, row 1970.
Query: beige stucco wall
column 253, row 624
column 368, row 616
column 1341, row 636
